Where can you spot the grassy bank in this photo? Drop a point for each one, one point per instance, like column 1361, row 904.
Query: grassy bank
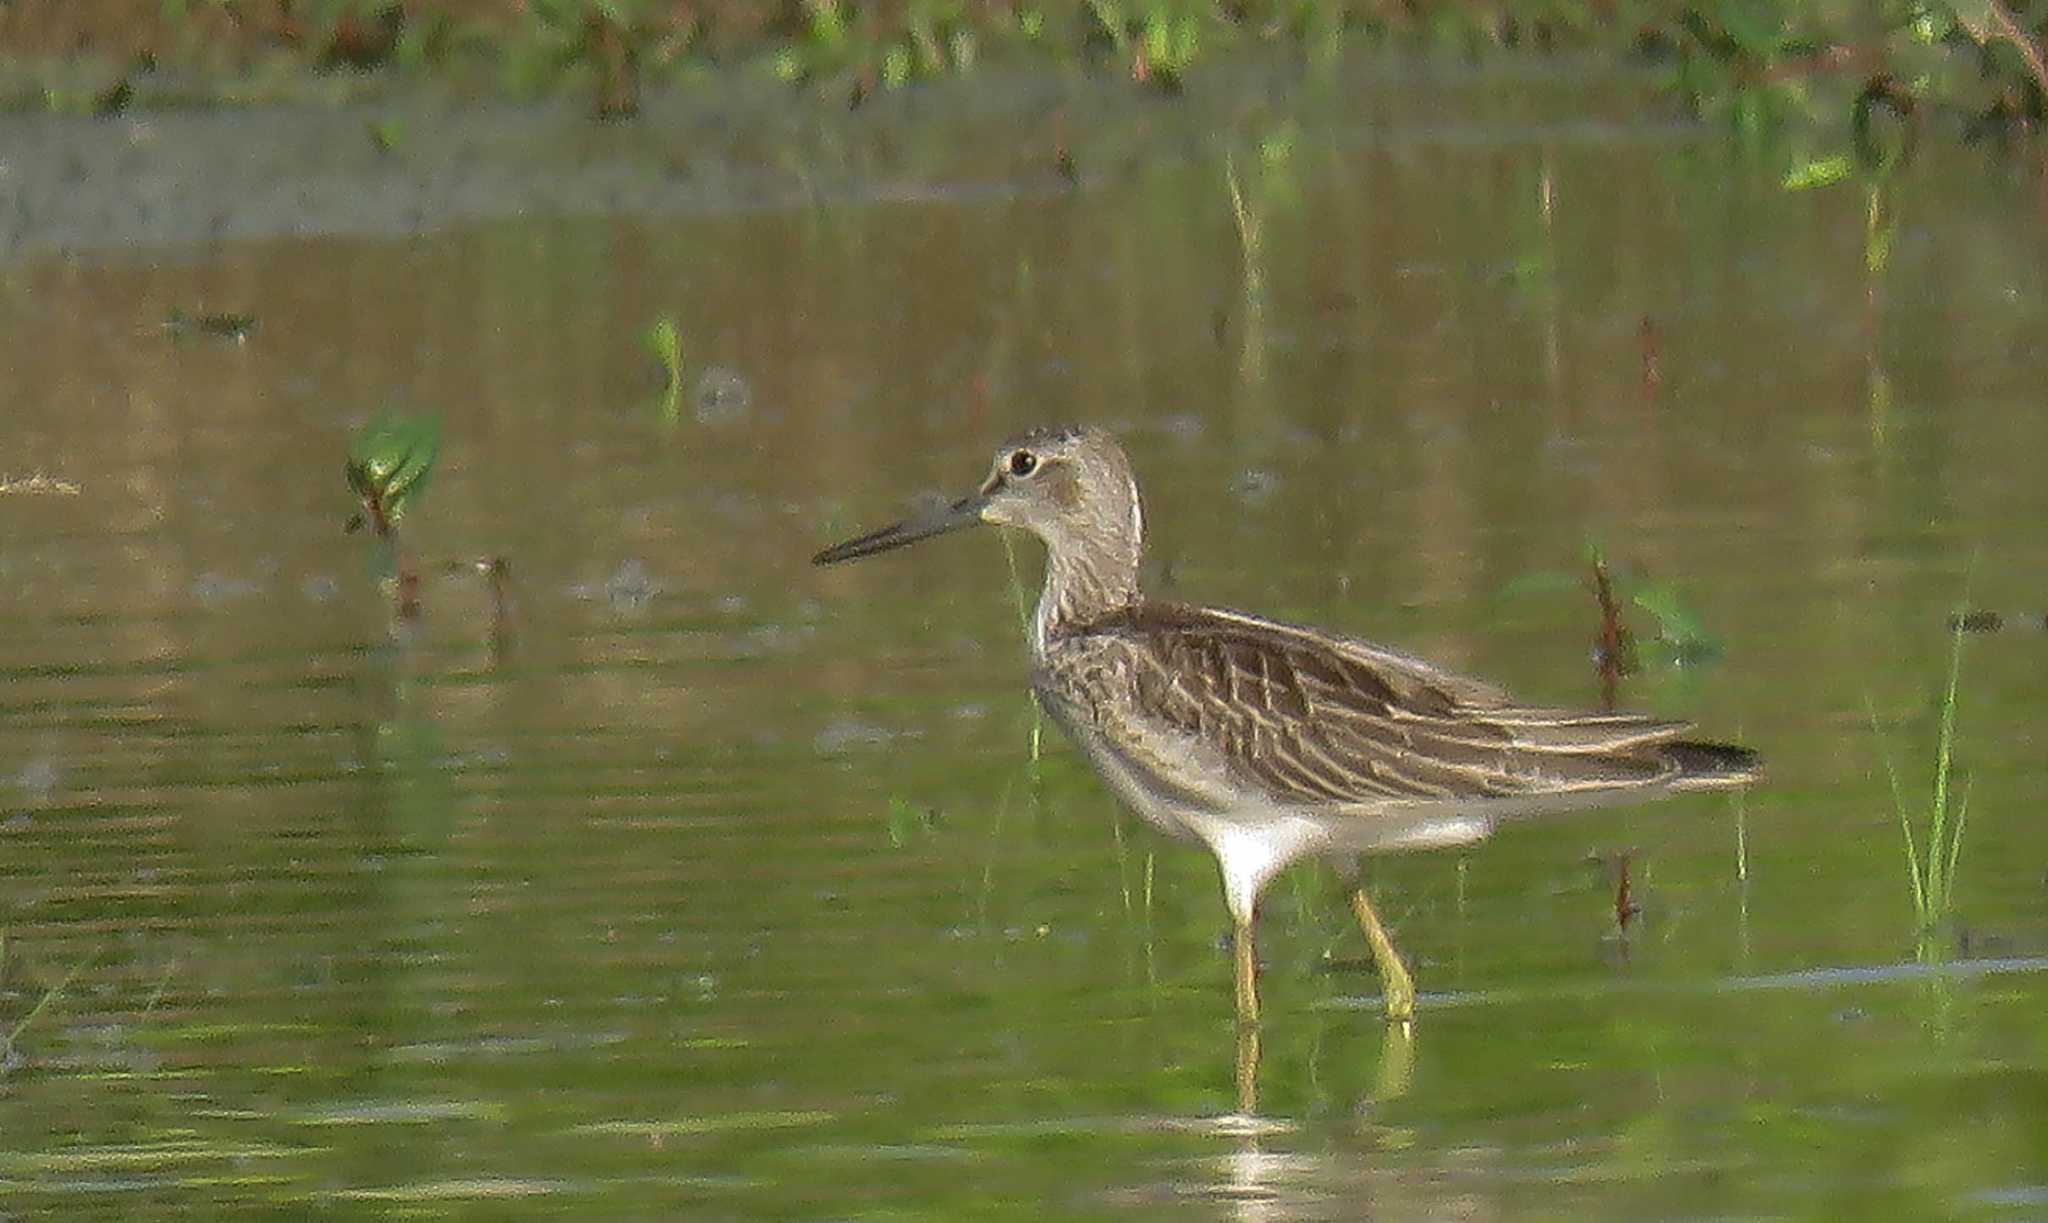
column 1976, row 67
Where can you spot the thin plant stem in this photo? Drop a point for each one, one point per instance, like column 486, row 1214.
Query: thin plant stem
column 50, row 995
column 1151, row 963
column 156, row 995
column 1023, row 602
column 1123, row 883
column 1017, row 593
column 988, row 861
column 1741, row 840
column 1247, row 226
column 1251, row 359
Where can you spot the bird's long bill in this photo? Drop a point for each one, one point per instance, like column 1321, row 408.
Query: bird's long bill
column 965, row 512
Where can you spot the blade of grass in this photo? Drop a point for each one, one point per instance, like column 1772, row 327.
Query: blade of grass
column 157, row 995
column 1940, row 881
column 1905, row 820
column 49, row 996
column 1123, row 882
column 1955, row 848
column 1741, row 837
column 1023, row 602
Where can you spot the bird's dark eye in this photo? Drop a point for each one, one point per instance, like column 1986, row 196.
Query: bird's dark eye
column 1023, row 463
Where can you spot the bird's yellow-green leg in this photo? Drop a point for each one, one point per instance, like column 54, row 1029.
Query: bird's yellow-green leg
column 1248, row 1069
column 1247, row 976
column 1395, row 982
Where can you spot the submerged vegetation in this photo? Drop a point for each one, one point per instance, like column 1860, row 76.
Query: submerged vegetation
column 1759, row 67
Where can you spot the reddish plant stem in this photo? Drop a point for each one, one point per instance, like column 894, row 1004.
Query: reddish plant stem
column 1615, row 648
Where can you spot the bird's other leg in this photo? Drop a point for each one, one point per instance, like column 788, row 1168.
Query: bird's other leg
column 1395, row 982
column 1397, row 1063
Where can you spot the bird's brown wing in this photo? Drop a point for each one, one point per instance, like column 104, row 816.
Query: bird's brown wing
column 1311, row 720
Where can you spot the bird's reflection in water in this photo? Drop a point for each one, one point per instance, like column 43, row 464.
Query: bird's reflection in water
column 1262, row 1185
column 1392, row 1080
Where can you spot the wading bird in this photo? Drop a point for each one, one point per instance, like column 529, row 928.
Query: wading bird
column 1269, row 742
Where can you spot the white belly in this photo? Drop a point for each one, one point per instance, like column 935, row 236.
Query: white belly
column 1252, row 842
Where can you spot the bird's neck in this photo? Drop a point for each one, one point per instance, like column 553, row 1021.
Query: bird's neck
column 1083, row 585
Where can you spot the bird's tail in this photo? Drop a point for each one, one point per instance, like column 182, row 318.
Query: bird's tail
column 1712, row 766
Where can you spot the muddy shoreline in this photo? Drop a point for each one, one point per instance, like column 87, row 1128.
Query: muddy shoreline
column 394, row 167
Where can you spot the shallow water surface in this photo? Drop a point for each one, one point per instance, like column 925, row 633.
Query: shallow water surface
column 738, row 888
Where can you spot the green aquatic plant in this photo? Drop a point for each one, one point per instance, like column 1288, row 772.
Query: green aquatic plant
column 1681, row 638
column 605, row 45
column 664, row 341
column 907, row 821
column 1679, row 643
column 1932, row 858
column 113, row 99
column 388, row 464
column 1159, row 40
column 1882, row 139
column 181, row 326
column 386, row 134
column 1253, row 199
column 1783, row 76
column 1744, row 64
column 1823, row 171
column 1246, row 220
column 1775, row 73
column 857, row 49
